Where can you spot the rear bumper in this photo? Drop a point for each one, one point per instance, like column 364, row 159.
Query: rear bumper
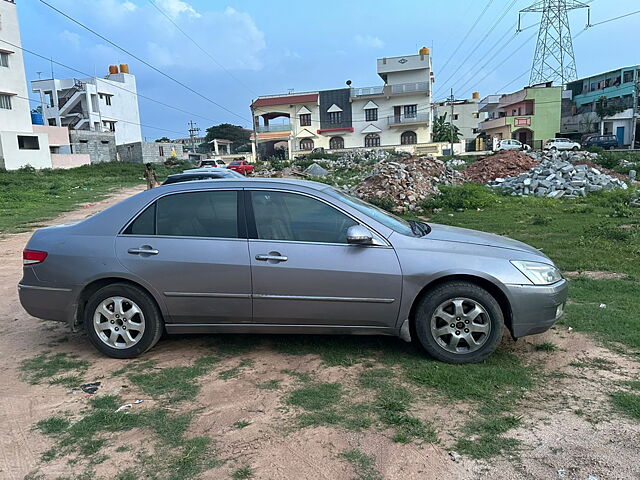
column 535, row 308
column 48, row 303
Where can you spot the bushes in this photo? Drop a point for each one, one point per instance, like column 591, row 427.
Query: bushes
column 386, row 203
column 467, row 196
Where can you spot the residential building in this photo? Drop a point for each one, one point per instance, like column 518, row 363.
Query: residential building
column 62, row 153
column 396, row 114
column 149, row 152
column 108, row 104
column 100, row 146
column 611, row 94
column 530, row 115
column 466, row 115
column 19, row 144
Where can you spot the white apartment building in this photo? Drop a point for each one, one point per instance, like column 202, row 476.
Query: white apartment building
column 466, row 115
column 108, row 104
column 19, row 145
column 396, row 114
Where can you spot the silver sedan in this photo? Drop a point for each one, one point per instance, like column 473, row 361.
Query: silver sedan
column 284, row 256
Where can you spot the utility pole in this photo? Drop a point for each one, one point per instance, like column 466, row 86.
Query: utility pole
column 634, row 122
column 451, row 101
column 193, row 130
column 554, row 59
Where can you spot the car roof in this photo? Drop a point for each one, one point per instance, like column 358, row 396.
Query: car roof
column 242, row 182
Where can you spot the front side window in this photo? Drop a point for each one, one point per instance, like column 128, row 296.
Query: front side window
column 408, row 138
column 410, row 111
column 306, row 144
column 5, row 101
column 336, row 143
column 298, row 218
column 335, row 117
column 4, row 59
column 372, row 140
column 212, row 214
column 371, row 114
column 305, row 120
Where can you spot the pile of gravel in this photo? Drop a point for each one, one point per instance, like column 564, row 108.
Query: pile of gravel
column 557, row 178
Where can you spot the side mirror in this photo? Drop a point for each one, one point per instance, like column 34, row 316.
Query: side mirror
column 359, row 235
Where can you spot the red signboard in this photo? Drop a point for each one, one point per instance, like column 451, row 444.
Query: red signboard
column 523, row 122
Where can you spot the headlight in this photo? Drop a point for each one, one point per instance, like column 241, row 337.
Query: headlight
column 538, row 273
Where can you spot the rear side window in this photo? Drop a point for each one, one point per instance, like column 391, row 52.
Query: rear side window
column 293, row 217
column 197, row 214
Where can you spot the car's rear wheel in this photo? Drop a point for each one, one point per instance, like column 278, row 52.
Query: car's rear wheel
column 122, row 321
column 459, row 322
column 575, row 149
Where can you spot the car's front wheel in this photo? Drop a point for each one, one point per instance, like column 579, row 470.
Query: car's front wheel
column 459, row 322
column 122, row 321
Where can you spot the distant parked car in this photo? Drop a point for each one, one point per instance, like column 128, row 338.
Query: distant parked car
column 202, row 174
column 212, row 162
column 561, row 144
column 608, row 142
column 512, row 145
column 241, row 166
column 284, row 256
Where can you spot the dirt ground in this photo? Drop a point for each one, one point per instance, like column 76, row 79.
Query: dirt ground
column 557, row 442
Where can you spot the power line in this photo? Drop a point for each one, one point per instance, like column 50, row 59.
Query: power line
column 486, row 35
column 114, row 85
column 164, row 14
column 144, row 62
column 39, row 102
column 467, row 35
column 612, row 19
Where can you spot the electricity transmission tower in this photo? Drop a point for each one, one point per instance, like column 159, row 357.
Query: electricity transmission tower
column 554, row 59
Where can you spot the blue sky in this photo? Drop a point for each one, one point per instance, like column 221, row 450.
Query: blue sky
column 269, row 47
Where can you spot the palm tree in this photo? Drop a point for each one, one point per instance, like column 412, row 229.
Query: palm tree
column 443, row 131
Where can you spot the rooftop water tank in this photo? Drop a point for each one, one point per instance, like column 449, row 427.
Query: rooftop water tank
column 424, row 51
column 476, row 95
column 113, row 69
column 37, row 118
column 124, row 68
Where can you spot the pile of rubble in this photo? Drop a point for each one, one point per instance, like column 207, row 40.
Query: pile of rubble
column 504, row 164
column 557, row 178
column 566, row 155
column 407, row 182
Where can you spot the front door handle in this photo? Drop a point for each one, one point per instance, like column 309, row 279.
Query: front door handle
column 145, row 251
column 271, row 257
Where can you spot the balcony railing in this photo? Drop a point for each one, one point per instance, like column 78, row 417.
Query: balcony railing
column 409, row 87
column 365, row 91
column 273, row 128
column 406, row 119
column 492, row 123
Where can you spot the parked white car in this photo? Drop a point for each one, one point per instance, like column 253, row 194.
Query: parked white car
column 562, row 144
column 511, row 145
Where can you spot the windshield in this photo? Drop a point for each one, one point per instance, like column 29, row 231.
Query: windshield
column 389, row 220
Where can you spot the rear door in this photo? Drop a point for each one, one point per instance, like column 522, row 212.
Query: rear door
column 192, row 248
column 305, row 273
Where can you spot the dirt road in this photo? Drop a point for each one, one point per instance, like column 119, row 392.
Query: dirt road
column 569, row 429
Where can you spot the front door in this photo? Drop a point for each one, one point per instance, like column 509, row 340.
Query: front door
column 305, row 273
column 620, row 135
column 192, row 249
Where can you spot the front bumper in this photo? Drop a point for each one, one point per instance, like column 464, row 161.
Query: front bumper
column 535, row 308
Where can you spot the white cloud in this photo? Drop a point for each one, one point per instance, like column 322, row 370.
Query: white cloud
column 70, row 38
column 368, row 41
column 174, row 8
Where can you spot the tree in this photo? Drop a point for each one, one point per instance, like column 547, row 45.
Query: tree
column 443, row 130
column 164, row 140
column 237, row 134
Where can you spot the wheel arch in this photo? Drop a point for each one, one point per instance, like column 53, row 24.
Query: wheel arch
column 95, row 285
column 482, row 282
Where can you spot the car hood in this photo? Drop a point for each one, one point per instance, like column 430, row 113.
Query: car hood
column 446, row 233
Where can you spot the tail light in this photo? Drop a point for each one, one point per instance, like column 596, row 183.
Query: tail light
column 33, row 257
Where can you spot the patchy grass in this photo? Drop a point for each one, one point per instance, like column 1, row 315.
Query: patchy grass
column 269, row 385
column 30, row 197
column 48, row 365
column 242, row 473
column 316, row 396
column 338, row 351
column 69, row 382
column 233, row 345
column 546, row 347
column 174, row 384
column 627, row 403
column 53, row 425
column 241, row 424
column 235, row 371
column 597, row 363
column 484, row 438
column 363, row 465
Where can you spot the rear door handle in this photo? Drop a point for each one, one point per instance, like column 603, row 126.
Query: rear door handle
column 274, row 258
column 146, row 251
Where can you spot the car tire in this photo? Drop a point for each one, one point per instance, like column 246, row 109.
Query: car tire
column 115, row 307
column 484, row 330
column 575, row 149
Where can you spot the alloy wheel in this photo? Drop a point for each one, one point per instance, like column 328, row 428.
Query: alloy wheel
column 460, row 325
column 119, row 322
